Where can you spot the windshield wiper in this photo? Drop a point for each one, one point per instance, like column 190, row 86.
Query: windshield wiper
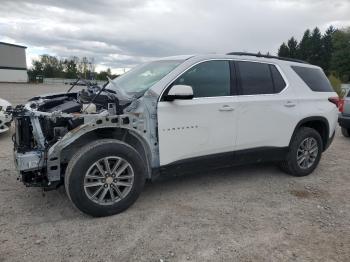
column 94, row 98
column 74, row 84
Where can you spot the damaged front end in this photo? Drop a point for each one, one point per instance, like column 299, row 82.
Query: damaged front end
column 47, row 125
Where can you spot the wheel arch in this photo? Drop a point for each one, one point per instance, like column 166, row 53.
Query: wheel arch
column 319, row 123
column 125, row 135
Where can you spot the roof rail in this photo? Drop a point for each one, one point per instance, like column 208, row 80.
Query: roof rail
column 268, row 56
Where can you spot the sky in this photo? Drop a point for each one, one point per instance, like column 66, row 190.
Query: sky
column 123, row 33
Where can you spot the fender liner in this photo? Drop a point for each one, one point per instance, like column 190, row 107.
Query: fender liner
column 323, row 120
column 54, row 153
column 118, row 133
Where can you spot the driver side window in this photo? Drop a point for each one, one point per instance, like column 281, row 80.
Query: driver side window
column 208, row 79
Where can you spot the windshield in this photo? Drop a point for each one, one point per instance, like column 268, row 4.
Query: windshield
column 141, row 78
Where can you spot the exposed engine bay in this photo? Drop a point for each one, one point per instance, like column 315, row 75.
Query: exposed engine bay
column 99, row 99
column 86, row 101
column 48, row 125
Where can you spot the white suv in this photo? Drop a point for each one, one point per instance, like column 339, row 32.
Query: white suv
column 174, row 114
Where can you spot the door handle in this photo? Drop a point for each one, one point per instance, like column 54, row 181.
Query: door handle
column 289, row 104
column 226, row 108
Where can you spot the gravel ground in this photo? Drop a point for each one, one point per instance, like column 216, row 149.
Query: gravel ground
column 250, row 213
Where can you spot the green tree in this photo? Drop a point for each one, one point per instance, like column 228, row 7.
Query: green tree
column 70, row 68
column 52, row 66
column 336, row 84
column 103, row 75
column 37, row 69
column 316, row 48
column 327, row 40
column 293, row 48
column 340, row 61
column 331, row 51
column 305, row 46
column 283, row 51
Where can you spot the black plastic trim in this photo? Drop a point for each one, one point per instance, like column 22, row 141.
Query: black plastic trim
column 234, row 79
column 273, row 80
column 311, row 119
column 238, row 76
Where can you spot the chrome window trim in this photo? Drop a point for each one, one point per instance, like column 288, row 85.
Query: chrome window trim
column 231, row 59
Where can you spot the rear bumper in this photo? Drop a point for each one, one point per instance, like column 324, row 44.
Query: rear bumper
column 344, row 121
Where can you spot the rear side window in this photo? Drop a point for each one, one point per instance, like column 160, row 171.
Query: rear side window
column 256, row 78
column 208, row 79
column 348, row 94
column 314, row 78
column 278, row 80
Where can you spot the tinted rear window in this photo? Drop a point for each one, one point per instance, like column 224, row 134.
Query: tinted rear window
column 277, row 79
column 255, row 78
column 314, row 78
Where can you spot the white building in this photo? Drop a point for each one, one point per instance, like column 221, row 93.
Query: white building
column 13, row 65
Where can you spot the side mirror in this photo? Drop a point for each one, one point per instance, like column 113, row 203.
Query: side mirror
column 179, row 92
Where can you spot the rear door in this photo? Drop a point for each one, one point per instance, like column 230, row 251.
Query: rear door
column 205, row 125
column 266, row 110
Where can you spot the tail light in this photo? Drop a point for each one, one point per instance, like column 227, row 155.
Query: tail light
column 339, row 102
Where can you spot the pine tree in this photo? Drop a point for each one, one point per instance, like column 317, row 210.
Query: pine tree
column 328, row 48
column 305, row 46
column 331, row 51
column 341, row 54
column 316, row 48
column 293, row 48
column 283, row 51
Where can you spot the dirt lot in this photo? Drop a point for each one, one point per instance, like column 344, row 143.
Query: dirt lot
column 251, row 213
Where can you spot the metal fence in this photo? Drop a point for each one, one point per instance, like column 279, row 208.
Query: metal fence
column 66, row 81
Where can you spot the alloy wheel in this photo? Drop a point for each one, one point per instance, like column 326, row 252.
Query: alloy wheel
column 108, row 180
column 307, row 153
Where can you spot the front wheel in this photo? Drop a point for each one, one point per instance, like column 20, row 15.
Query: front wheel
column 345, row 131
column 105, row 177
column 304, row 153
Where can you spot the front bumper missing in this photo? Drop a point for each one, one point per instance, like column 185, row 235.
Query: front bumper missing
column 31, row 168
column 29, row 161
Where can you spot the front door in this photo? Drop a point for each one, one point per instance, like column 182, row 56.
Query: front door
column 203, row 126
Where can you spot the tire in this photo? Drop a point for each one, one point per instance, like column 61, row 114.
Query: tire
column 290, row 165
column 84, row 177
column 345, row 132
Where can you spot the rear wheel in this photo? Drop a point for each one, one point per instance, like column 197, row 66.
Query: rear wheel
column 105, row 177
column 345, row 132
column 304, row 153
